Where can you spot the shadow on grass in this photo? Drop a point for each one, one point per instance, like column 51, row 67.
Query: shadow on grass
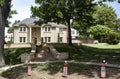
column 53, row 68
column 86, row 70
column 90, row 54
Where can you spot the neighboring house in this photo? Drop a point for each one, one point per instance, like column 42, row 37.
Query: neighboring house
column 8, row 36
column 74, row 33
column 27, row 31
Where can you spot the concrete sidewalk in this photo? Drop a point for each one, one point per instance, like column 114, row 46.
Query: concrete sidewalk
column 2, row 69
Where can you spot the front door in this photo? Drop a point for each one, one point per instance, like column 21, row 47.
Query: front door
column 35, row 40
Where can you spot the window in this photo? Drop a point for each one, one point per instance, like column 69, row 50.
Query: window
column 61, row 39
column 60, row 30
column 47, row 39
column 22, row 39
column 47, row 29
column 22, row 29
column 72, row 32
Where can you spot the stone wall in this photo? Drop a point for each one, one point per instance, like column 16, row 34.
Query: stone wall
column 58, row 55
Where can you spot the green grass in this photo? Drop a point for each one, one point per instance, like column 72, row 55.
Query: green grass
column 54, row 68
column 14, row 54
column 104, row 46
column 85, row 52
column 90, row 54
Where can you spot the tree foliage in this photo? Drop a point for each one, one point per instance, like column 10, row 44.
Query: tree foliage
column 10, row 29
column 99, row 32
column 117, row 25
column 105, row 15
column 63, row 11
column 113, row 38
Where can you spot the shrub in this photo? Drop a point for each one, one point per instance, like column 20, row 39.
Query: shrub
column 99, row 32
column 12, row 55
column 112, row 38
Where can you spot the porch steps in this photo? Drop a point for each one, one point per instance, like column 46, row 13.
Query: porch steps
column 43, row 54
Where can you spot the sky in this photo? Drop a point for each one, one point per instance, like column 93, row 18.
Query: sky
column 23, row 9
column 116, row 7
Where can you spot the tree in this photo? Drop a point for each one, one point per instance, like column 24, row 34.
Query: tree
column 4, row 13
column 63, row 11
column 10, row 29
column 113, row 38
column 105, row 15
column 99, row 32
column 117, row 25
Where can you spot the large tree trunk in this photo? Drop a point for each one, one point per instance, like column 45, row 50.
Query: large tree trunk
column 2, row 61
column 69, row 33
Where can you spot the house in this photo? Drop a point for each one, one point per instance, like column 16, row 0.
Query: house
column 27, row 31
column 74, row 33
column 8, row 36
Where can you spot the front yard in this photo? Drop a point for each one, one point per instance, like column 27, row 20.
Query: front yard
column 87, row 53
column 92, row 53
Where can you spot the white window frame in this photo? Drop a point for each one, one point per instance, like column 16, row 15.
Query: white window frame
column 47, row 39
column 22, row 39
column 22, row 29
column 47, row 29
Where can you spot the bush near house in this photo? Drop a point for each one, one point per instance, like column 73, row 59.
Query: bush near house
column 113, row 38
column 12, row 55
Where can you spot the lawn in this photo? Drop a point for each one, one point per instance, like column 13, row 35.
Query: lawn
column 91, row 53
column 85, row 52
column 54, row 71
column 104, row 46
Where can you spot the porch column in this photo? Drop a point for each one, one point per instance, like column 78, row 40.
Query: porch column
column 30, row 34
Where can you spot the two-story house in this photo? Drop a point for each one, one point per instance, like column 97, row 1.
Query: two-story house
column 27, row 31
